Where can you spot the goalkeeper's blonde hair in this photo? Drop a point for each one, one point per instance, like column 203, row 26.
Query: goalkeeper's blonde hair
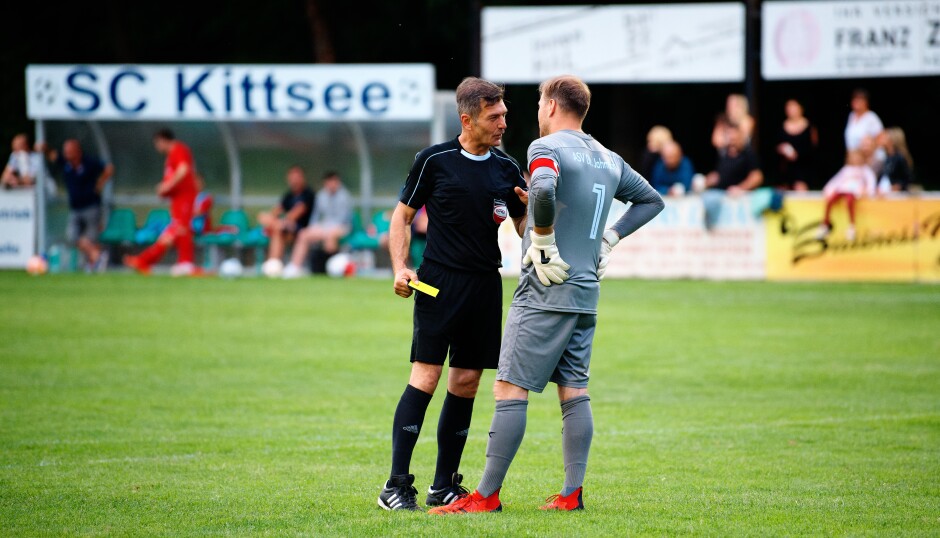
column 570, row 92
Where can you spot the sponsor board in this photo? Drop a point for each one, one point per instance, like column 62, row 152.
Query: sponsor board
column 845, row 39
column 17, row 227
column 626, row 44
column 231, row 92
column 896, row 239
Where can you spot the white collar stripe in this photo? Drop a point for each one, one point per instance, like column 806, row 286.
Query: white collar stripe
column 473, row 157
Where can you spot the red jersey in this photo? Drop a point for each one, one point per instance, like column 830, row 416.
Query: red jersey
column 180, row 154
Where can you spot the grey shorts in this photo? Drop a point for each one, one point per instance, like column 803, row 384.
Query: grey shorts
column 541, row 346
column 84, row 223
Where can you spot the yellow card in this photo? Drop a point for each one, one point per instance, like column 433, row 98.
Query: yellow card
column 424, row 288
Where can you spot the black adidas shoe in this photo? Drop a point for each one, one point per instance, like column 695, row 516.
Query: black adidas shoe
column 447, row 495
column 399, row 493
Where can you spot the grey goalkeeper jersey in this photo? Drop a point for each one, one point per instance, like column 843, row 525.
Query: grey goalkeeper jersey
column 574, row 181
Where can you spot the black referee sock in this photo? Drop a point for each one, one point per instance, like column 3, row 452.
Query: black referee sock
column 452, row 430
column 409, row 416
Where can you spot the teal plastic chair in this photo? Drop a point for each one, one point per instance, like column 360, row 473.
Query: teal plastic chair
column 233, row 225
column 256, row 239
column 360, row 239
column 157, row 220
column 121, row 227
column 357, row 238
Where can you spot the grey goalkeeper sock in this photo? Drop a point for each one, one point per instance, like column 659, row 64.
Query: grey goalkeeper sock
column 505, row 437
column 576, row 434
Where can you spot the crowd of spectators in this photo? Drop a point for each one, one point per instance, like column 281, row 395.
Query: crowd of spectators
column 871, row 151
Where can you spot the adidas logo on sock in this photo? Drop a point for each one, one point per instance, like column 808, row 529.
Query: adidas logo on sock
column 413, row 429
column 464, row 433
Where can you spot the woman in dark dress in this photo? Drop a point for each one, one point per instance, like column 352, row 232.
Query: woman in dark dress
column 796, row 146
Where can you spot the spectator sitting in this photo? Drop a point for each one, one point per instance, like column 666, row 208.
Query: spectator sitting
column 655, row 139
column 330, row 222
column 855, row 180
column 24, row 165
column 291, row 215
column 862, row 122
column 898, row 165
column 419, row 236
column 873, row 155
column 796, row 146
column 202, row 208
column 736, row 113
column 738, row 169
column 672, row 174
column 736, row 172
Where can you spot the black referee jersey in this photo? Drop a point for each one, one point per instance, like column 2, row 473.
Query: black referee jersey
column 467, row 197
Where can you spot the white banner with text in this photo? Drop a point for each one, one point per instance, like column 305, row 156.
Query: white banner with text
column 867, row 38
column 625, row 44
column 231, row 92
column 17, row 227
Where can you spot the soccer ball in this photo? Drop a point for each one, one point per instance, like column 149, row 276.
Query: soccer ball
column 37, row 265
column 230, row 268
column 340, row 265
column 272, row 268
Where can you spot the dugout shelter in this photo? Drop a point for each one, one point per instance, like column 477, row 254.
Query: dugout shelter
column 246, row 124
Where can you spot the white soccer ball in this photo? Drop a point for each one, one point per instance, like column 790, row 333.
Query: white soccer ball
column 36, row 265
column 272, row 268
column 340, row 265
column 231, row 268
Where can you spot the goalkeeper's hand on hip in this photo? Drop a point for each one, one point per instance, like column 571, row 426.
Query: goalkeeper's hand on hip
column 543, row 254
column 607, row 245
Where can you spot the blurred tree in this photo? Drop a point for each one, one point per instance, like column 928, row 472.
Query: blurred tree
column 323, row 52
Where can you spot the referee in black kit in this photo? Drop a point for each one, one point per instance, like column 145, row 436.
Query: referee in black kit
column 469, row 188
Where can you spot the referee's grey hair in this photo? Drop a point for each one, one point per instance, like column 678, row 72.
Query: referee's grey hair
column 473, row 92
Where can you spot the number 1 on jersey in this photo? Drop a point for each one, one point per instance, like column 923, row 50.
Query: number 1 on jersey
column 600, row 191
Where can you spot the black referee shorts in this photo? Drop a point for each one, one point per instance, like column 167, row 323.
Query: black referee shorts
column 465, row 318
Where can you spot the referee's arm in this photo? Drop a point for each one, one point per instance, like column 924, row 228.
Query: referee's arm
column 399, row 241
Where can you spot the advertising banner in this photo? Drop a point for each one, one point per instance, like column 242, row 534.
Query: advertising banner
column 676, row 244
column 850, row 39
column 231, row 92
column 895, row 240
column 626, row 44
column 17, row 227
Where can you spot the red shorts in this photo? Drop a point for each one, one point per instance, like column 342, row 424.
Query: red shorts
column 181, row 215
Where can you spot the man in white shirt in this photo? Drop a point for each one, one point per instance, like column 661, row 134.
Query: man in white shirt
column 24, row 165
column 862, row 122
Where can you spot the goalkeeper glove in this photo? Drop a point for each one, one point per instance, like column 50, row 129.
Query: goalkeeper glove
column 607, row 244
column 543, row 254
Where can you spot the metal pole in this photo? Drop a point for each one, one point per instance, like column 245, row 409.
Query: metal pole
column 752, row 24
column 439, row 120
column 104, row 152
column 40, row 192
column 475, row 38
column 234, row 164
column 365, row 169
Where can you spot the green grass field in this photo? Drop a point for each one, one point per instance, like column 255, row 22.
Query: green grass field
column 153, row 406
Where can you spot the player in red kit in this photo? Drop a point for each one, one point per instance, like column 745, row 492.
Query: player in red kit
column 179, row 185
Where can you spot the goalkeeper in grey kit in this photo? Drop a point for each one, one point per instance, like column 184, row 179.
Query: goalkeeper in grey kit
column 550, row 327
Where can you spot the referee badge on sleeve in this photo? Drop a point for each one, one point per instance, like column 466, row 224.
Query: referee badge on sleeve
column 500, row 211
